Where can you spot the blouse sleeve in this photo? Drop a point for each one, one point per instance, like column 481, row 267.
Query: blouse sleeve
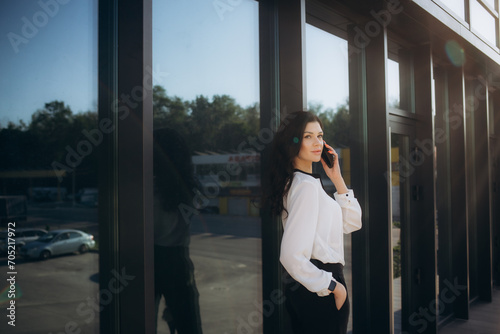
column 298, row 239
column 351, row 211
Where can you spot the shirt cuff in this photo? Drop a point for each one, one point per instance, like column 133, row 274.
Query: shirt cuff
column 344, row 199
column 325, row 292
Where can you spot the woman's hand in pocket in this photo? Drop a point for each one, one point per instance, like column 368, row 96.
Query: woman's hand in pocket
column 340, row 295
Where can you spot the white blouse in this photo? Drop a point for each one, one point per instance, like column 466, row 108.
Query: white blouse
column 314, row 228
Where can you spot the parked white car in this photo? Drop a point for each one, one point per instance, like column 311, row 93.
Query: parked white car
column 22, row 237
column 58, row 242
column 89, row 196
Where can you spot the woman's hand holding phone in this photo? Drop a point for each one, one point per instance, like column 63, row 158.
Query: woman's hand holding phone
column 327, row 156
column 334, row 172
column 330, row 161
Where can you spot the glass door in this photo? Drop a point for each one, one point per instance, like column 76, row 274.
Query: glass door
column 401, row 174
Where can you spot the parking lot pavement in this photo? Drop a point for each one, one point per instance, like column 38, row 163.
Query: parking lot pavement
column 56, row 293
column 52, row 293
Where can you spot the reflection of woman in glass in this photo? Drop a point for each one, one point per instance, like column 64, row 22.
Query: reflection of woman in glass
column 174, row 272
column 312, row 249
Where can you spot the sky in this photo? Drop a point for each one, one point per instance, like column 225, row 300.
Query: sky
column 216, row 52
column 327, row 72
column 48, row 51
column 209, row 50
column 47, row 55
column 206, row 51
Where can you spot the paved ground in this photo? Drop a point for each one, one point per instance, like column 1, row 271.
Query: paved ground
column 228, row 276
column 484, row 319
column 53, row 295
column 58, row 295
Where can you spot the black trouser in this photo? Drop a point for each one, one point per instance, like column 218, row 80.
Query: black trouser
column 311, row 314
column 174, row 280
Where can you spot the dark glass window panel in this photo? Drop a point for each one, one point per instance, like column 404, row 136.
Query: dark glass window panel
column 400, row 93
column 207, row 96
column 48, row 97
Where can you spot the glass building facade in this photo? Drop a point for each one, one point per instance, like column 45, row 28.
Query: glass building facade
column 112, row 110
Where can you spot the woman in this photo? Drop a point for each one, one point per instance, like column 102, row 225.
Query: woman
column 312, row 245
column 174, row 271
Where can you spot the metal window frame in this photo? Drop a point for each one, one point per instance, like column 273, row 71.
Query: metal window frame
column 125, row 176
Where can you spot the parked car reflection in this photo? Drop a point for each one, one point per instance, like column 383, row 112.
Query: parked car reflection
column 88, row 196
column 22, row 237
column 58, row 242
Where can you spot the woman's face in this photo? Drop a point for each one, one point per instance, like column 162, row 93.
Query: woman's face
column 312, row 145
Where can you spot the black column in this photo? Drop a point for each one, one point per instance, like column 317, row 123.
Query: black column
column 126, row 197
column 377, row 214
column 291, row 23
column 272, row 287
column 360, row 240
column 108, row 217
column 135, row 164
column 495, row 185
column 423, row 230
column 281, row 28
column 459, row 221
column 482, row 176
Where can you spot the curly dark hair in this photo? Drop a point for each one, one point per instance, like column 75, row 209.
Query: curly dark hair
column 286, row 146
column 173, row 169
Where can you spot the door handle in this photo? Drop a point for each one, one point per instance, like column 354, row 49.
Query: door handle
column 416, row 193
column 418, row 276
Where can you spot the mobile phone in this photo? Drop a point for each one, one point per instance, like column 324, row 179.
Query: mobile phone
column 328, row 157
